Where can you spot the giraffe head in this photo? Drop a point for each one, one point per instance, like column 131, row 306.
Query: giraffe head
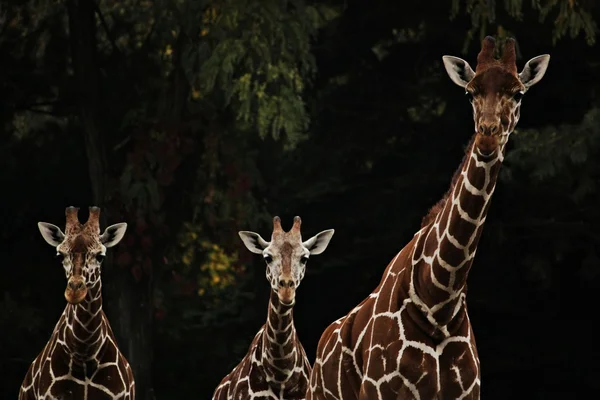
column 81, row 249
column 286, row 255
column 495, row 90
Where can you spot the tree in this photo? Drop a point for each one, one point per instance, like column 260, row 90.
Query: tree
column 226, row 70
column 202, row 118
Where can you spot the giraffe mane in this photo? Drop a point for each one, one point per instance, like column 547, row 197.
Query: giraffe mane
column 439, row 206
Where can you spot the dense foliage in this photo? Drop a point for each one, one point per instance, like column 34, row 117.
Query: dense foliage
column 192, row 120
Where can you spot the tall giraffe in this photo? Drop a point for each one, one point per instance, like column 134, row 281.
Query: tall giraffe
column 81, row 360
column 276, row 366
column 411, row 337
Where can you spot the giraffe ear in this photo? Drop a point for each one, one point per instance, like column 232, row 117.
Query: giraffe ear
column 253, row 241
column 318, row 243
column 51, row 233
column 113, row 234
column 459, row 70
column 534, row 70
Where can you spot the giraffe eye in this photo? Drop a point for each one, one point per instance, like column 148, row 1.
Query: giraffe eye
column 268, row 259
column 60, row 257
column 518, row 96
column 100, row 257
column 303, row 260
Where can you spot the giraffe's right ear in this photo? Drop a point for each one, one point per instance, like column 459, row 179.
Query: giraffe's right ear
column 534, row 70
column 113, row 234
column 459, row 70
column 318, row 243
column 253, row 241
column 51, row 233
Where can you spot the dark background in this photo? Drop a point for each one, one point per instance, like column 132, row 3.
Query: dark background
column 191, row 120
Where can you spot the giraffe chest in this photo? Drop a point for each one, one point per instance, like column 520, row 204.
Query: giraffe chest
column 249, row 380
column 58, row 374
column 381, row 353
column 397, row 359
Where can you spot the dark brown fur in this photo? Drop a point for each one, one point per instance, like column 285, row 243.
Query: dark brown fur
column 411, row 337
column 276, row 362
column 82, row 339
column 267, row 346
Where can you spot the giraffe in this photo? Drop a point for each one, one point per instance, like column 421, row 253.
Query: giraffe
column 81, row 360
column 276, row 366
column 411, row 338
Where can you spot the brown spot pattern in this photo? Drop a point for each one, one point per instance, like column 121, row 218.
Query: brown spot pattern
column 275, row 367
column 411, row 338
column 81, row 360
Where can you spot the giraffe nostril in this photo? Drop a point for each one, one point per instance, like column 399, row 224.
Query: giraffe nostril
column 488, row 129
column 76, row 285
column 285, row 283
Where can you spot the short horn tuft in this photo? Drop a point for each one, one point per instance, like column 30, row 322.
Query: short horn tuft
column 297, row 223
column 486, row 55
column 277, row 225
column 72, row 219
column 94, row 218
column 509, row 55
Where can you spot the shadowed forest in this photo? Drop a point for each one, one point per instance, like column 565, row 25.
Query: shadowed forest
column 194, row 119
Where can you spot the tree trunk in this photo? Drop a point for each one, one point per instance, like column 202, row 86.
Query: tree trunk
column 127, row 303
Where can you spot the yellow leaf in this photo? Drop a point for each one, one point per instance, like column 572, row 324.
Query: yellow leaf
column 168, row 50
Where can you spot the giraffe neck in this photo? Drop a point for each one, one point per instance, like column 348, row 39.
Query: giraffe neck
column 84, row 325
column 446, row 247
column 280, row 356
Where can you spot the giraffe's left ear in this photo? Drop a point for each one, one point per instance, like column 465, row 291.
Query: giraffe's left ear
column 113, row 234
column 459, row 70
column 253, row 241
column 51, row 233
column 534, row 70
column 318, row 243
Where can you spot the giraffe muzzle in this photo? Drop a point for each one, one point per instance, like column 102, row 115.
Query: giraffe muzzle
column 286, row 291
column 76, row 290
column 487, row 144
column 489, row 128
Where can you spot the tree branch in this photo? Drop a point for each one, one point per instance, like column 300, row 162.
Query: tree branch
column 83, row 53
column 146, row 43
column 3, row 21
column 37, row 111
column 40, row 104
column 109, row 35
